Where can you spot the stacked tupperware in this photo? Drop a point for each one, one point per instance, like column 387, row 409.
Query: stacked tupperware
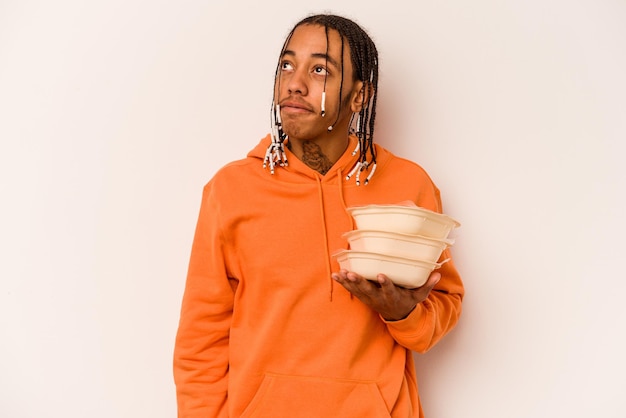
column 402, row 241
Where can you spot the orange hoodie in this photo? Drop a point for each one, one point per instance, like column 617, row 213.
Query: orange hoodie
column 264, row 330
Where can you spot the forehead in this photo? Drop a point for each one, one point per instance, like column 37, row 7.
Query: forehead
column 310, row 40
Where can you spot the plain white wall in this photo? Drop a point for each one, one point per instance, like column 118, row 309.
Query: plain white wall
column 114, row 114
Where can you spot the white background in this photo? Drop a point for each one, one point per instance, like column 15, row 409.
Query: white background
column 114, row 114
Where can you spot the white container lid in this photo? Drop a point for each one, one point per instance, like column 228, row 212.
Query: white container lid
column 403, row 219
column 420, row 239
column 401, row 271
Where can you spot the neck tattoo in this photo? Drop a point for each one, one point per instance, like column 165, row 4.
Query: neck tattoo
column 313, row 157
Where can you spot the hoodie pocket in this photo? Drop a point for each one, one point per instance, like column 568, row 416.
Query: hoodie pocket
column 282, row 396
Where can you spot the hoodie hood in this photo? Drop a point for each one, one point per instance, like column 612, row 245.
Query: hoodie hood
column 298, row 171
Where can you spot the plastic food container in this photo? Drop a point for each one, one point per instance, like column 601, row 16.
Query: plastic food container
column 401, row 271
column 397, row 244
column 411, row 220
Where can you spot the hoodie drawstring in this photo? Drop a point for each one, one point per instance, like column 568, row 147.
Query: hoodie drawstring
column 340, row 183
column 341, row 198
column 323, row 216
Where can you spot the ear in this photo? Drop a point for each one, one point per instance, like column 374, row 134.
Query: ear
column 361, row 94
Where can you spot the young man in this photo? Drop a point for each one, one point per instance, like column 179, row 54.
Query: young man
column 270, row 327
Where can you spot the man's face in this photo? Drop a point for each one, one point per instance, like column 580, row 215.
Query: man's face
column 304, row 68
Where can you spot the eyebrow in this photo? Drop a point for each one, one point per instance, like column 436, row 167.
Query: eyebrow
column 323, row 56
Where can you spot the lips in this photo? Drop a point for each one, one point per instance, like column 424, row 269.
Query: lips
column 295, row 106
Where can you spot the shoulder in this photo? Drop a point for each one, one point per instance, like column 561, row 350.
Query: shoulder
column 243, row 170
column 232, row 174
column 397, row 166
column 406, row 179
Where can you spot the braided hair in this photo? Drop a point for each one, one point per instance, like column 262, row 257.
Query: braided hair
column 364, row 57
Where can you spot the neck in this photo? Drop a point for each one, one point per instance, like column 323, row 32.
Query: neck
column 319, row 156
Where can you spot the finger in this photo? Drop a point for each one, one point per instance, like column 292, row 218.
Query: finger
column 358, row 284
column 347, row 279
column 433, row 279
column 386, row 284
column 353, row 277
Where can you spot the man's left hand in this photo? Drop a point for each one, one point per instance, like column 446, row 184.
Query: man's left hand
column 390, row 301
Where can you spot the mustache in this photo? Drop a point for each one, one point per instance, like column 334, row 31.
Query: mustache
column 295, row 102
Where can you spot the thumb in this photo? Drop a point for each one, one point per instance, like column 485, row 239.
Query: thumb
column 433, row 279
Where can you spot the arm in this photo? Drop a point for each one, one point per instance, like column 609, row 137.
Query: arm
column 433, row 317
column 201, row 349
column 416, row 318
column 438, row 313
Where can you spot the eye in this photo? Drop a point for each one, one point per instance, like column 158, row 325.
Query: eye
column 319, row 70
column 286, row 66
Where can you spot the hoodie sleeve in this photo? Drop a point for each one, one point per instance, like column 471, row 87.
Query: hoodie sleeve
column 439, row 312
column 434, row 317
column 201, row 348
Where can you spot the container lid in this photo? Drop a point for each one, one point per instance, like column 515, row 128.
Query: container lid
column 402, row 209
column 346, row 254
column 364, row 233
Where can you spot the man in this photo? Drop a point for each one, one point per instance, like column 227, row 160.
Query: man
column 270, row 327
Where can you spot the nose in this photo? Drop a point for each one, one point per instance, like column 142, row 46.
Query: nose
column 296, row 83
